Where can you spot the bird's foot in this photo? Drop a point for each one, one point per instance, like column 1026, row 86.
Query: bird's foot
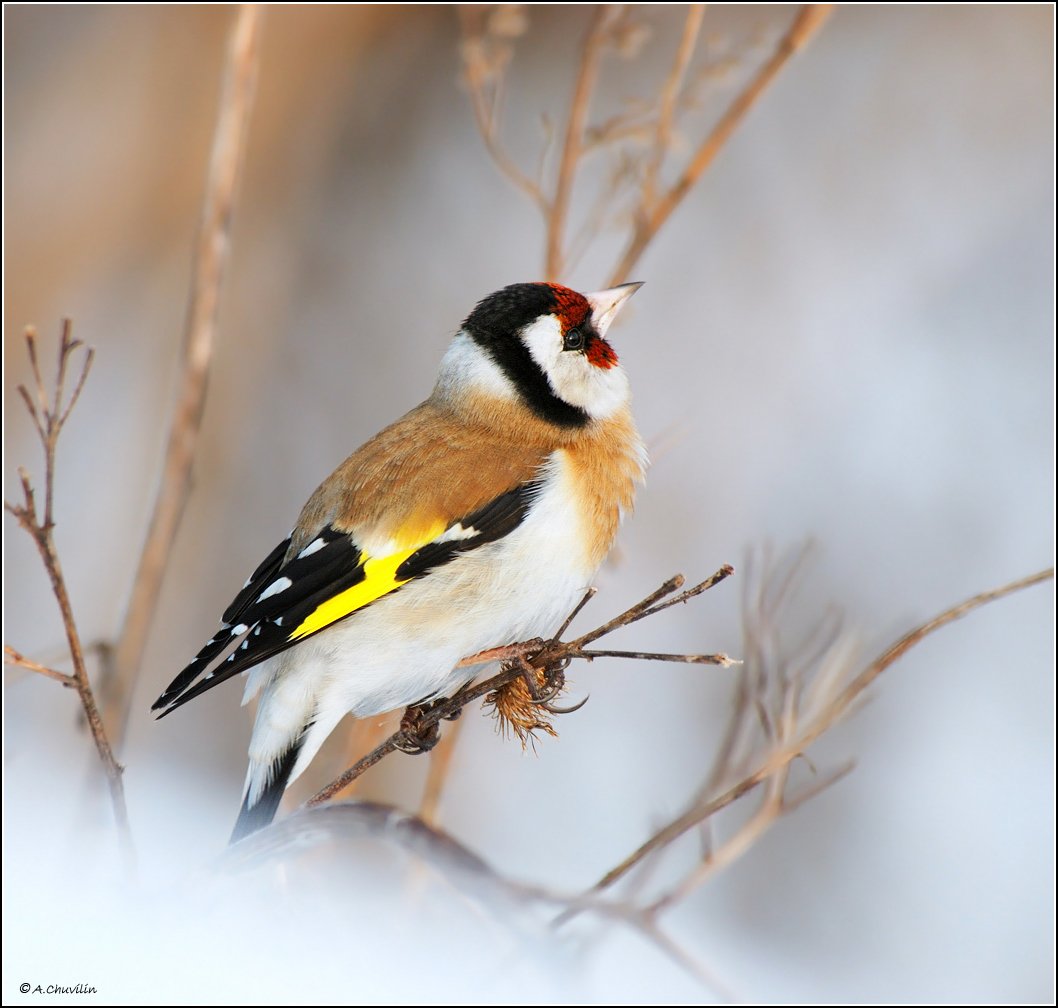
column 417, row 737
column 553, row 682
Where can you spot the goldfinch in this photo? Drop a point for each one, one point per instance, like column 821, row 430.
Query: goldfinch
column 476, row 520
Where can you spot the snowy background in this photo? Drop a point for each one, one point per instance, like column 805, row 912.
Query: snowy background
column 846, row 334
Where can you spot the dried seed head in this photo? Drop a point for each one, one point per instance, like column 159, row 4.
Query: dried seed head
column 516, row 713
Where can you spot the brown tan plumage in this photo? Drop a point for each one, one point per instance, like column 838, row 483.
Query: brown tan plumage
column 477, row 519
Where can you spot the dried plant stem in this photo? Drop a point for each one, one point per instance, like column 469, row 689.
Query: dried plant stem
column 49, row 414
column 13, row 657
column 211, row 257
column 780, row 758
column 654, row 214
column 670, row 94
column 487, row 121
column 728, row 852
column 365, row 734
column 587, row 74
column 534, row 654
column 640, row 137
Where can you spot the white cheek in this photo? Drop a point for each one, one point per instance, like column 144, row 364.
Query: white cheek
column 600, row 392
column 544, row 340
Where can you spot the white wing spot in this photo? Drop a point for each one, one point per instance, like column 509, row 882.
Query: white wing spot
column 313, row 547
column 278, row 621
column 458, row 533
column 241, row 628
column 277, row 586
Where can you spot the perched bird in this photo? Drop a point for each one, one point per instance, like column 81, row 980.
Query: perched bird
column 476, row 520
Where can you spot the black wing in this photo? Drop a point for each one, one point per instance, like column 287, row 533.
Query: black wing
column 265, row 617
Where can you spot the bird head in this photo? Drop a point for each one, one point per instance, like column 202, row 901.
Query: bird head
column 545, row 345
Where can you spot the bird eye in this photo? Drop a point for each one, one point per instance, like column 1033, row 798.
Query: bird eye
column 573, row 340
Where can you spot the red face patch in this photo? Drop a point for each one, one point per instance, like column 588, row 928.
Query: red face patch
column 600, row 353
column 573, row 310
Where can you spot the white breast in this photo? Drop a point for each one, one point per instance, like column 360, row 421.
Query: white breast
column 404, row 647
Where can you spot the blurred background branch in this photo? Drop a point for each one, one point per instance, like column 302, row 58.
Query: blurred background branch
column 639, row 143
column 788, row 702
column 212, row 252
column 49, row 411
column 851, row 324
column 793, row 699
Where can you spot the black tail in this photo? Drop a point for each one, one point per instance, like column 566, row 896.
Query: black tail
column 257, row 816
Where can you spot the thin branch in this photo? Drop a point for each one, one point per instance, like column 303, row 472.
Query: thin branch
column 211, row 257
column 360, row 767
column 488, row 127
column 537, row 654
column 828, row 715
column 603, row 208
column 771, row 808
column 723, row 660
column 670, row 94
column 591, row 53
column 13, row 657
column 502, row 654
column 790, row 803
column 588, row 596
column 633, row 613
column 49, row 417
column 477, row 75
column 805, row 25
column 364, row 735
column 685, row 596
column 649, row 606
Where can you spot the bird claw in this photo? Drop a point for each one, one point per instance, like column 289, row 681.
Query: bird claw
column 547, row 693
column 415, row 737
column 554, row 683
column 552, row 709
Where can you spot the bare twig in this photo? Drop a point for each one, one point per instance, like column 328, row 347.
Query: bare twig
column 568, row 621
column 482, row 74
column 211, row 257
column 13, row 657
column 775, row 805
column 670, row 94
column 829, row 714
column 639, row 138
column 633, row 613
column 49, row 415
column 587, row 73
column 539, row 655
column 649, row 605
column 650, row 220
column 723, row 660
column 365, row 734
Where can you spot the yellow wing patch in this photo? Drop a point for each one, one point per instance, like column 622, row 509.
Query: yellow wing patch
column 379, row 579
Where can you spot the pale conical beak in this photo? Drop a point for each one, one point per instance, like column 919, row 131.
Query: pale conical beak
column 606, row 304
